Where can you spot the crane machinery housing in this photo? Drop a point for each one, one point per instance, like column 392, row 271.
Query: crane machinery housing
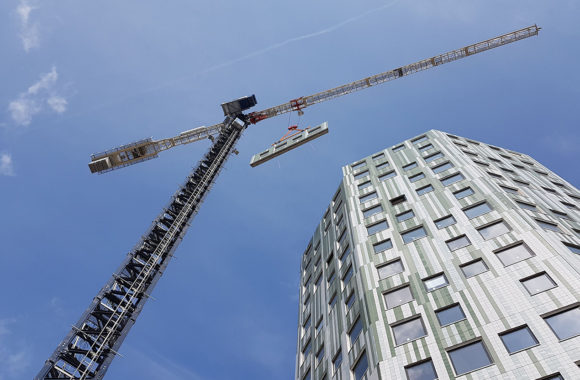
column 93, row 341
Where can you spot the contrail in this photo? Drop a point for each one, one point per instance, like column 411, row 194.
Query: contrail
column 243, row 58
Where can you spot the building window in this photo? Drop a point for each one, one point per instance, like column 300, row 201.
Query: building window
column 319, row 325
column 518, row 339
column 320, row 355
column 549, row 190
column 433, row 157
column 306, row 325
column 355, row 331
column 561, row 214
column 378, row 156
column 481, row 163
column 565, row 324
column 361, row 366
column 414, row 234
column 382, row 166
column 457, row 243
column 450, row 315
column 509, row 189
column 307, row 376
column 494, row 230
column 358, row 165
column 387, row 175
column 377, row 227
column 390, row 269
column 399, row 147
column 306, row 350
column 441, row 168
column 416, row 177
column 364, row 185
column 435, row 282
column 569, row 205
column 460, row 144
column 452, row 136
column 452, row 179
column 477, row 210
column 383, row 246
column 538, row 283
column 319, row 280
column 521, row 182
column 409, row 330
column 572, row 247
column 469, row 152
column 405, row 215
column 463, row 193
column 514, row 254
column 494, row 174
column 372, row 211
column 419, row 139
column 445, row 222
column 350, row 300
column 425, row 148
column 421, row 371
column 473, row 268
column 506, row 170
column 332, row 301
column 399, row 199
column 554, row 376
column 469, row 358
column 361, row 174
column 398, row 297
column 547, row 225
column 410, row 166
column 345, row 253
column 337, row 360
column 527, row 206
column 347, row 276
column 331, row 278
column 424, row 190
column 368, row 197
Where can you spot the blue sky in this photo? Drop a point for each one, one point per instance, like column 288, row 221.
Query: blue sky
column 80, row 77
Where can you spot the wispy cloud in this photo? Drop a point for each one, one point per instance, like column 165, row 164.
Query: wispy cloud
column 6, row 168
column 157, row 366
column 28, row 31
column 14, row 356
column 250, row 55
column 41, row 95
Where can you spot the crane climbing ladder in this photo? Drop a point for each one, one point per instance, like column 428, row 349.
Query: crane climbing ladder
column 89, row 348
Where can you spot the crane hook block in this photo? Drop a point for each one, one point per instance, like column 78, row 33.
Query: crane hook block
column 290, row 143
column 236, row 107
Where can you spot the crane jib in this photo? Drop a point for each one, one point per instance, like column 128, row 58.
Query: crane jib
column 453, row 55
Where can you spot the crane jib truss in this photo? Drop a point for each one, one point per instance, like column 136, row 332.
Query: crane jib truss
column 450, row 56
column 93, row 341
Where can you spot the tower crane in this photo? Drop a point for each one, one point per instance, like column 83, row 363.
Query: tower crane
column 94, row 340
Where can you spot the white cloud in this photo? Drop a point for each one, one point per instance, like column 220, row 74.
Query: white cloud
column 40, row 95
column 6, row 168
column 57, row 103
column 28, row 32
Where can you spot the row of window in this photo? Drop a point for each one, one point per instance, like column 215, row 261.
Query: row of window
column 473, row 355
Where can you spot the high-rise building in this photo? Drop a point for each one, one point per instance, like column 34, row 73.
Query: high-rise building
column 443, row 257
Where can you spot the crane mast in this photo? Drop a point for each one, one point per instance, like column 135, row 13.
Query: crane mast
column 92, row 343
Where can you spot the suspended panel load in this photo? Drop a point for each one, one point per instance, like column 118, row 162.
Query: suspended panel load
column 290, row 143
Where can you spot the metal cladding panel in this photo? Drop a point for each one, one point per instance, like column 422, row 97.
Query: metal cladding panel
column 294, row 142
column 493, row 300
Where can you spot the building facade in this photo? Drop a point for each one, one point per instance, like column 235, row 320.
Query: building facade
column 443, row 257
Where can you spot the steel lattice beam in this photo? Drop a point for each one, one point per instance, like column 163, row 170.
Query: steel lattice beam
column 92, row 343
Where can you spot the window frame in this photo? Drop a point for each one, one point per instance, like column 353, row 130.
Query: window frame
column 515, row 329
